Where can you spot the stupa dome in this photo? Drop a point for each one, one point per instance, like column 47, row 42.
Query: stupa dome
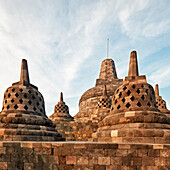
column 61, row 111
column 161, row 104
column 23, row 114
column 134, row 117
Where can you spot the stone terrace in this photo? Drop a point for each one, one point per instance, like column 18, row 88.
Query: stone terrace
column 83, row 155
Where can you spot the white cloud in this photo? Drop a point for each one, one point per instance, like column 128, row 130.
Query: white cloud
column 58, row 37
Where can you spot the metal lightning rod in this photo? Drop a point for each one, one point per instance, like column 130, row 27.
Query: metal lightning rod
column 108, row 48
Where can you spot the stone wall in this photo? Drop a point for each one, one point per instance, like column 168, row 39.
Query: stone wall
column 83, row 155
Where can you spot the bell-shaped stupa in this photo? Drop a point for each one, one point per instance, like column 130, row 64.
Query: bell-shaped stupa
column 23, row 116
column 161, row 104
column 134, row 117
column 62, row 119
column 104, row 101
column 61, row 112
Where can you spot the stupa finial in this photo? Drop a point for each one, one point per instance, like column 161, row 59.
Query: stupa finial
column 104, row 91
column 133, row 65
column 156, row 90
column 24, row 77
column 61, row 97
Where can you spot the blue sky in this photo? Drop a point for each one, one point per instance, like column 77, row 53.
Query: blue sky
column 64, row 42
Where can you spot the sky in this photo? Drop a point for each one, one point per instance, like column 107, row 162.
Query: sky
column 65, row 41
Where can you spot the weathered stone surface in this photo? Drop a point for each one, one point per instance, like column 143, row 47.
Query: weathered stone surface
column 84, row 155
column 23, row 114
column 91, row 103
column 134, row 117
column 62, row 119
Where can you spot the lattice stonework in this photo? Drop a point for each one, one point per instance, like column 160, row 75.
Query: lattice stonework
column 23, row 99
column 161, row 104
column 104, row 102
column 61, row 108
column 138, row 96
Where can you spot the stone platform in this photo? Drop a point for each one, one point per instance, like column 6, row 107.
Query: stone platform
column 83, row 155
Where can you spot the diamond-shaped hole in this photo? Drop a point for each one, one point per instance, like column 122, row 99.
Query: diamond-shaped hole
column 132, row 98
column 133, row 86
column 115, row 101
column 143, row 97
column 34, row 109
column 21, row 90
column 8, row 107
column 12, row 100
column 128, row 105
column 149, row 104
column 9, row 95
column 146, row 91
column 138, row 91
column 13, row 90
column 29, row 91
column 128, row 92
column 151, row 98
column 33, row 97
column 124, row 88
column 38, row 103
column 16, row 107
column 117, row 91
column 5, row 101
column 123, row 100
column 25, row 95
column 16, row 94
column 21, row 101
column 40, row 110
column 142, row 86
column 120, row 94
column 26, row 107
column 40, row 98
column 30, row 102
column 139, row 104
column 118, row 107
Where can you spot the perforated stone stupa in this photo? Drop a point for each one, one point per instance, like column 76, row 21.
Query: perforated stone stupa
column 161, row 104
column 85, row 124
column 62, row 119
column 23, row 116
column 134, row 117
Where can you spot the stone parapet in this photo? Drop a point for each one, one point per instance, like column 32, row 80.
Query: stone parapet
column 83, row 155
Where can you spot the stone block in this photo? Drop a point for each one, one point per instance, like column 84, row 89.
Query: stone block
column 3, row 165
column 160, row 161
column 148, row 161
column 104, row 160
column 116, row 161
column 164, row 153
column 28, row 166
column 82, row 160
column 71, row 160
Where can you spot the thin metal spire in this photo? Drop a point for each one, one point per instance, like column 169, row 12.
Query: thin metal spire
column 108, row 48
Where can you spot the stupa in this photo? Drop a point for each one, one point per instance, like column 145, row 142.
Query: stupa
column 134, row 117
column 23, row 116
column 161, row 104
column 84, row 124
column 62, row 119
